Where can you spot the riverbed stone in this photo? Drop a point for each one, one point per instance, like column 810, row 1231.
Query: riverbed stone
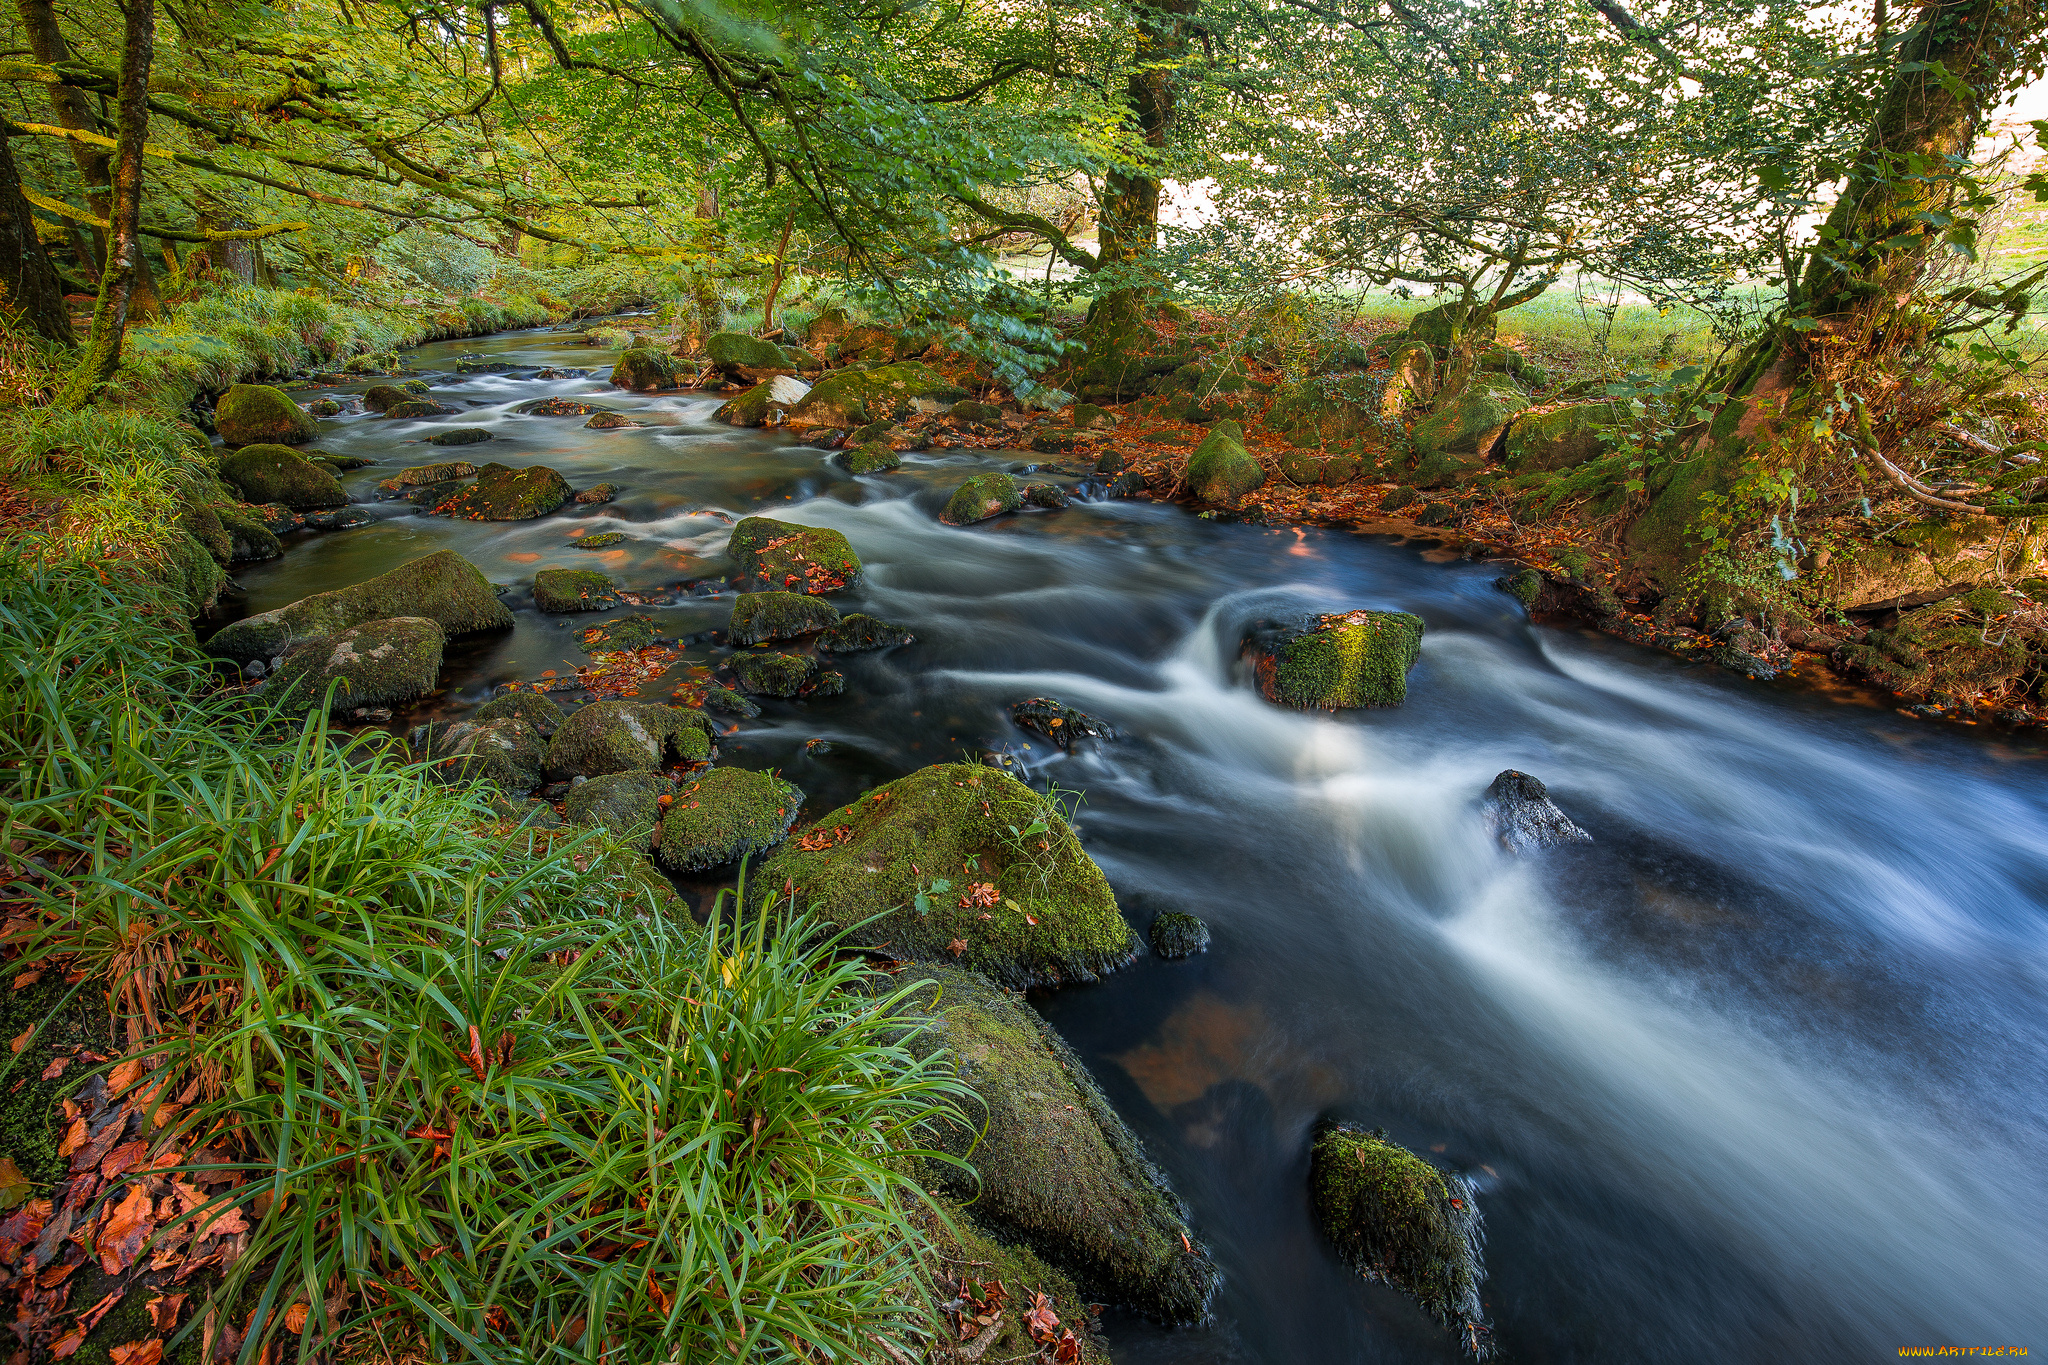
column 1396, row 1219
column 566, row 590
column 420, row 475
column 266, row 473
column 1221, row 470
column 557, row 407
column 501, row 493
column 870, row 457
column 1058, row 722
column 258, row 414
column 773, row 675
column 857, row 632
column 784, row 556
column 1054, row 1163
column 249, row 538
column 597, row 495
column 536, row 710
column 759, row 616
column 1352, row 659
column 1176, row 934
column 371, row 664
column 1051, row 915
column 460, row 436
column 750, row 409
column 628, row 804
column 643, row 369
column 628, row 736
column 731, row 703
column 723, row 816
column 1520, row 814
column 982, row 497
column 502, row 749
column 443, row 587
column 380, row 397
column 418, row 407
column 603, row 540
column 853, row 398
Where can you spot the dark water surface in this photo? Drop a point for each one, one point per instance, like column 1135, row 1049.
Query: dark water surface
column 1758, row 1075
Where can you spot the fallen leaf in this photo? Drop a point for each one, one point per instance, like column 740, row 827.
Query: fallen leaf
column 123, row 1158
column 124, row 1229
column 14, row 1186
column 295, row 1318
column 27, row 979
column 22, row 1041
column 164, row 1310
column 149, row 1352
column 74, row 1137
column 65, row 1345
column 55, row 1068
column 957, row 947
column 124, row 1075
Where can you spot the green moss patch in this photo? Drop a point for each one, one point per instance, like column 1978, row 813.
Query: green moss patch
column 853, row 398
column 371, row 664
column 629, row 736
column 504, row 494
column 249, row 537
column 982, row 497
column 628, row 804
column 758, row 616
column 443, row 587
column 870, row 457
column 976, row 1266
column 602, row 540
column 1175, row 935
column 723, row 816
column 277, row 473
column 1356, row 659
column 857, row 632
column 564, row 590
column 773, row 675
column 750, row 409
column 421, row 475
column 783, row 556
column 256, row 414
column 1221, row 470
column 502, row 749
column 538, row 711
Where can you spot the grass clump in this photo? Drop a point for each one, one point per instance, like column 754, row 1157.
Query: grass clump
column 108, row 474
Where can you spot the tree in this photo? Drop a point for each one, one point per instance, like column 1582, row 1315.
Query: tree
column 29, row 287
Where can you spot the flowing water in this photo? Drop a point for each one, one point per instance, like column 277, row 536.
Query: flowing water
column 1758, row 1074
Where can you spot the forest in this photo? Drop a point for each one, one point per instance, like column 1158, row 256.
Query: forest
column 979, row 556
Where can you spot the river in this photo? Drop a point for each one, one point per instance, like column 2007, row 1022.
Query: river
column 1759, row 1074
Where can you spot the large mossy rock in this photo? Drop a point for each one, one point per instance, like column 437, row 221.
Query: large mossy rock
column 249, row 538
column 628, row 804
column 982, row 497
column 644, row 370
column 384, row 397
column 1306, row 467
column 759, row 616
column 870, row 457
column 536, row 710
column 750, row 409
column 1051, row 915
column 443, row 587
column 1221, row 470
column 1562, row 438
column 1058, row 1169
column 723, row 816
column 739, row 356
column 502, row 749
column 1927, row 560
column 1397, row 1219
column 257, row 414
column 267, row 472
column 372, row 664
column 629, row 736
column 421, row 475
column 773, row 675
column 1355, row 659
column 1463, row 432
column 783, row 556
column 854, row 398
column 1321, row 412
column 501, row 493
column 858, row 632
column 566, row 590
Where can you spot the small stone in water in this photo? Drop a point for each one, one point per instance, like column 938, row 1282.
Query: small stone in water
column 1175, row 935
column 599, row 493
column 461, row 436
column 600, row 540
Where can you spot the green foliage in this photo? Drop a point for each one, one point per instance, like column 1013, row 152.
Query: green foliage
column 116, row 473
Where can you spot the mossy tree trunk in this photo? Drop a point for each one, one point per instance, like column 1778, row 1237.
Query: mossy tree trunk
column 124, row 248
column 29, row 287
column 1128, row 225
column 709, row 238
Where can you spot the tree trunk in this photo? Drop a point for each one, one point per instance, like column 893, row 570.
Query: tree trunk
column 1128, row 226
column 29, row 287
column 708, row 238
column 775, row 281
column 124, row 247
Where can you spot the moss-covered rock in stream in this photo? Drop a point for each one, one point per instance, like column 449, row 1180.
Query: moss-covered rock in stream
column 443, row 587
column 566, row 590
column 1525, row 585
column 413, row 408
column 1399, row 1220
column 536, row 710
column 629, row 736
column 857, row 632
column 1353, row 659
column 1462, row 433
column 257, row 414
column 1059, row 1170
column 372, row 664
column 191, row 572
column 752, row 359
column 1051, row 916
column 501, row 493
column 628, row 804
column 1562, row 438
column 854, row 398
column 645, row 370
column 759, row 616
column 249, row 537
column 870, row 457
column 557, row 407
column 382, row 397
column 982, row 497
column 783, row 556
column 773, row 675
column 276, row 473
column 503, row 749
column 1221, row 470
column 749, row 409
column 421, row 475
column 460, row 436
column 723, row 816
column 1176, row 934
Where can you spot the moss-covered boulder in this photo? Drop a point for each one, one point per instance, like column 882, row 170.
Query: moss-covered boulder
column 870, row 457
column 1525, row 585
column 192, row 573
column 383, row 397
column 1450, row 324
column 502, row 749
column 1309, row 468
column 1176, row 935
column 826, row 328
column 443, row 587
column 1355, row 659
column 975, row 412
column 853, row 398
column 564, row 590
column 731, row 703
column 460, row 436
column 257, row 414
column 773, row 675
column 1221, row 470
column 644, row 370
column 1471, row 423
column 750, row 409
column 504, row 494
column 629, row 736
column 249, row 537
column 1398, row 1220
column 628, row 804
column 1559, row 439
column 982, row 497
column 857, row 632
column 723, row 816
column 982, row 1274
column 1925, row 561
column 1024, row 908
column 752, row 359
column 421, row 475
column 374, row 664
column 1057, row 1167
column 1089, row 417
column 758, row 616
column 274, row 473
column 603, row 540
column 783, row 556
column 557, row 407
column 418, row 407
column 1322, row 412
column 536, row 710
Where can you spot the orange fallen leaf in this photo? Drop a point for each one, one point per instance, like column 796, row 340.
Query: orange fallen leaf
column 957, row 947
column 124, row 1229
column 149, row 1352
column 295, row 1318
column 68, row 1344
column 124, row 1075
column 164, row 1310
column 22, row 1041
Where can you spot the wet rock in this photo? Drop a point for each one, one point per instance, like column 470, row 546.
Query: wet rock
column 749, row 358
column 341, row 519
column 1035, row 909
column 1741, row 647
column 824, row 683
column 1221, row 470
column 730, row 702
column 644, row 369
column 602, row 540
column 597, row 495
column 1525, row 585
column 1354, row 659
column 249, row 539
column 1520, row 814
column 443, row 587
column 503, row 750
column 1397, row 1219
column 781, row 555
column 1128, row 484
column 390, row 660
column 853, row 398
column 857, row 632
column 982, row 497
column 628, row 736
column 257, row 414
column 628, row 804
column 1177, row 935
column 557, row 407
column 380, row 397
column 567, row 590
column 557, row 372
column 609, row 421
column 723, row 816
column 537, row 711
column 501, row 493
column 323, row 407
column 461, row 436
column 476, row 364
column 419, row 407
column 759, row 616
column 421, row 475
column 1058, row 722
column 872, row 457
column 277, row 517
column 1050, row 496
column 267, row 473
column 1056, row 1165
column 418, row 388
column 428, row 497
column 341, row 462
column 620, row 633
column 773, row 675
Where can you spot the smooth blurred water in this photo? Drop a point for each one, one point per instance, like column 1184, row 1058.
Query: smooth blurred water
column 1757, row 1074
